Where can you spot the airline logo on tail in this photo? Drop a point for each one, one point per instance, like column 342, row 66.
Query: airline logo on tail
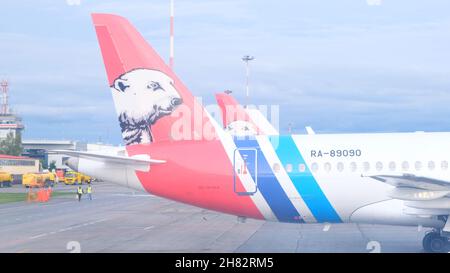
column 147, row 94
column 157, row 97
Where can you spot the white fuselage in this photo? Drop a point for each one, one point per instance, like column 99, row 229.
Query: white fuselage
column 340, row 165
column 359, row 198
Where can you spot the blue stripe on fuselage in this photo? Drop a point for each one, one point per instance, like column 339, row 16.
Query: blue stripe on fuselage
column 304, row 182
column 269, row 186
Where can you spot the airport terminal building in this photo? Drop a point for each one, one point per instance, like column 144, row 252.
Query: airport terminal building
column 42, row 150
column 18, row 165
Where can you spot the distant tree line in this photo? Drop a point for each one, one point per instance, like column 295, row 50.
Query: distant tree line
column 11, row 145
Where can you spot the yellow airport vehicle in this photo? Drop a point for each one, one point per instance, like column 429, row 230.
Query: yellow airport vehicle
column 72, row 177
column 38, row 179
column 6, row 179
column 50, row 177
column 33, row 180
column 86, row 178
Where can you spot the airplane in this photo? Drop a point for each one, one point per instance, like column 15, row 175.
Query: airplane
column 175, row 149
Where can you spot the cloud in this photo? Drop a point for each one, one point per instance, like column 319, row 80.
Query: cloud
column 340, row 66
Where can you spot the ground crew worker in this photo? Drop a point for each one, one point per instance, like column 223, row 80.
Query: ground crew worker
column 89, row 191
column 79, row 193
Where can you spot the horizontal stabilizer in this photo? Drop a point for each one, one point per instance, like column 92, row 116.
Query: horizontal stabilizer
column 411, row 181
column 136, row 160
column 414, row 194
column 422, row 196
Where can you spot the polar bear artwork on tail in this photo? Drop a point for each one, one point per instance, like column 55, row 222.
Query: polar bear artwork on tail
column 142, row 97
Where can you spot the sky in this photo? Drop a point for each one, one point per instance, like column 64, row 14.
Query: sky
column 338, row 66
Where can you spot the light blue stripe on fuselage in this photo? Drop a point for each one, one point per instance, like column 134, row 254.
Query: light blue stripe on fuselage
column 304, row 181
column 269, row 186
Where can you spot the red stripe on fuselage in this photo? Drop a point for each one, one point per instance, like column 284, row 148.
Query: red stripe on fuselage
column 197, row 173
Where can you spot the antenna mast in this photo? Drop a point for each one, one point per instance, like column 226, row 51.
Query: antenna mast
column 4, row 105
column 172, row 16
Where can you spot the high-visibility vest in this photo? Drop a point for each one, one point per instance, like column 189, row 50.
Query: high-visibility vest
column 89, row 190
column 80, row 191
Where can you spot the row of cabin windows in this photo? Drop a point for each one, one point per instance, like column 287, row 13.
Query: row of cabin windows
column 366, row 166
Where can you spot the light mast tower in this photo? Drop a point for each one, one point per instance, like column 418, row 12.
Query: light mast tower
column 8, row 121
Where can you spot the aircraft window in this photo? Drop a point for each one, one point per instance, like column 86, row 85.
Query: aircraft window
column 340, row 166
column 315, row 167
column 353, row 166
column 276, row 167
column 302, row 168
column 444, row 165
column 431, row 165
column 379, row 166
column 405, row 165
column 366, row 166
column 327, row 166
column 392, row 166
column 418, row 165
column 289, row 168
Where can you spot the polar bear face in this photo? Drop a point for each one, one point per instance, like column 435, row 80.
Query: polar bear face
column 142, row 97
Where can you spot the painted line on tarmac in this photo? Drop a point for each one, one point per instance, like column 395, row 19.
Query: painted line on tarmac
column 67, row 229
column 39, row 236
column 326, row 227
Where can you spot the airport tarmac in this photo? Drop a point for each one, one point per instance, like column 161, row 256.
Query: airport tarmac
column 120, row 220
